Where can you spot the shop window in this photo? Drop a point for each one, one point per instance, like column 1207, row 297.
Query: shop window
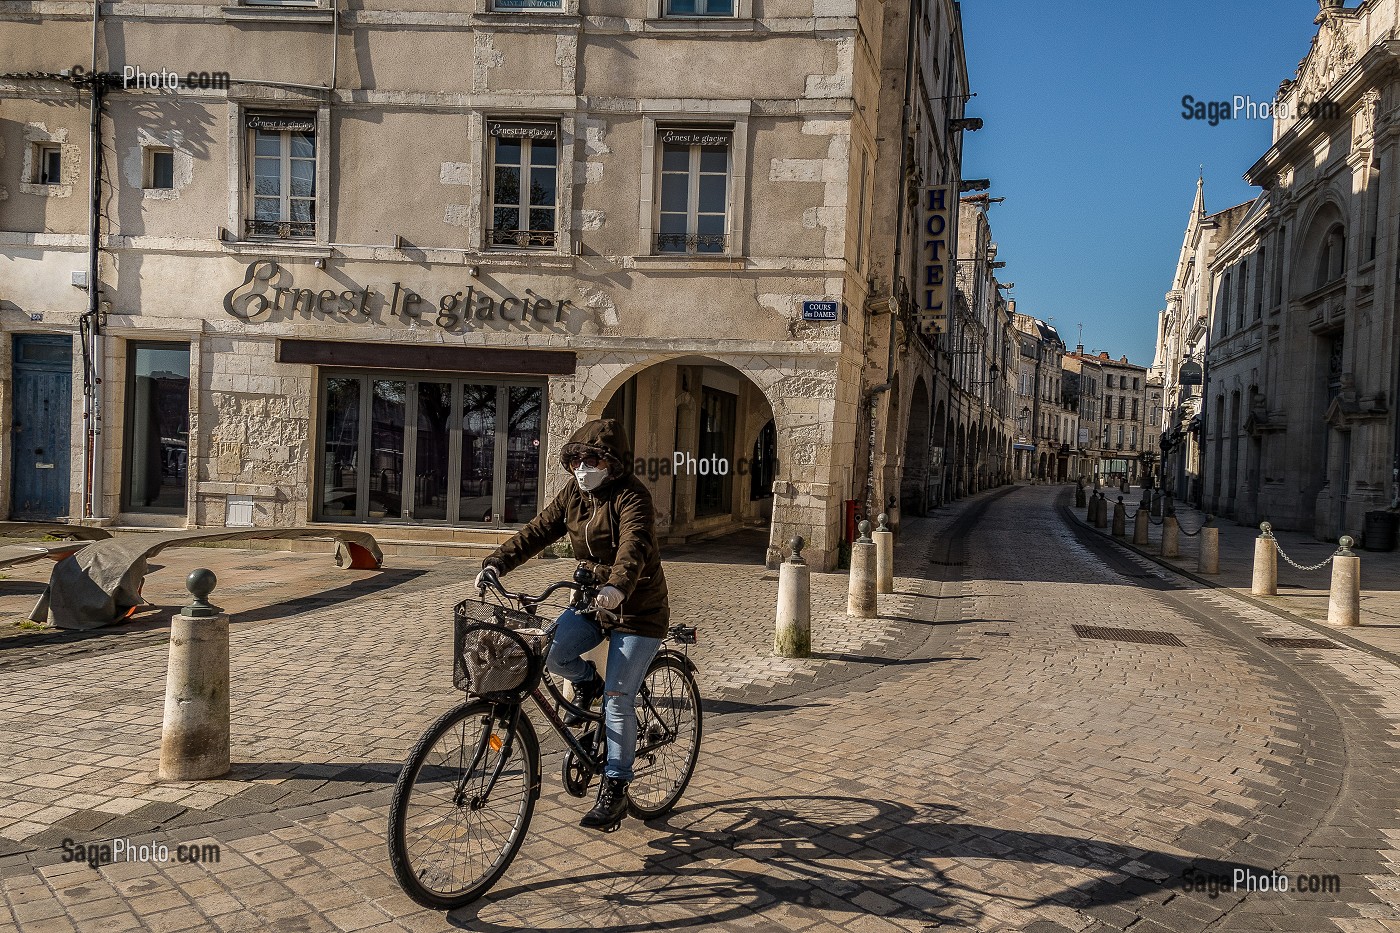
column 524, row 185
column 436, row 450
column 282, row 160
column 159, row 169
column 48, row 164
column 693, row 210
column 713, row 490
column 699, row 7
column 157, row 441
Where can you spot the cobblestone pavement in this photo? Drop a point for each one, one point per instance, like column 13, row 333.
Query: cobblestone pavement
column 966, row 762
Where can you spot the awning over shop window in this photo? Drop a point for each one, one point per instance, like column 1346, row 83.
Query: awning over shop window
column 435, row 358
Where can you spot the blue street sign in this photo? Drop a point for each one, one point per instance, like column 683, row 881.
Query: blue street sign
column 821, row 310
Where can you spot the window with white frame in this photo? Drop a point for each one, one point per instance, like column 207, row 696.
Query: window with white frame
column 693, row 209
column 282, row 161
column 699, row 7
column 159, row 171
column 524, row 185
column 48, row 164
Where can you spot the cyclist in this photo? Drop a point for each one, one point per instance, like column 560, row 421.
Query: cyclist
column 608, row 515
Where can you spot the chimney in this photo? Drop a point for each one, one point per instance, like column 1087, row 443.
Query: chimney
column 1079, row 349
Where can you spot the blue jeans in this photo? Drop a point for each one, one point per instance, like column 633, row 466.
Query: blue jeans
column 628, row 659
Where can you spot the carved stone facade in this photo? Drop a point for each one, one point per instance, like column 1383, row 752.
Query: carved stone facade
column 403, row 254
column 1298, row 422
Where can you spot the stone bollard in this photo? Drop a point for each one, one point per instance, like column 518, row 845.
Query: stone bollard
column 1208, row 557
column 884, row 557
column 793, row 636
column 1101, row 512
column 1344, row 604
column 1079, row 497
column 1171, row 537
column 1140, row 521
column 1120, row 519
column 194, row 738
column 1265, row 582
column 861, row 601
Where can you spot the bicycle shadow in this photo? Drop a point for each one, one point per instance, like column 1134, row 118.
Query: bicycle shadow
column 773, row 860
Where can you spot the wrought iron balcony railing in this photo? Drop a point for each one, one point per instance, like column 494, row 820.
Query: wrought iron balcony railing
column 691, row 243
column 521, row 239
column 282, row 229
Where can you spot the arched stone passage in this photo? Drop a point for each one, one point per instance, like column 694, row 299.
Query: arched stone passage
column 812, row 464
column 913, row 497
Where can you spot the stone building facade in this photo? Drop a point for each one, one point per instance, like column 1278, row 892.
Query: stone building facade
column 1179, row 363
column 1084, row 373
column 1125, row 437
column 379, row 271
column 1299, row 425
column 1046, row 419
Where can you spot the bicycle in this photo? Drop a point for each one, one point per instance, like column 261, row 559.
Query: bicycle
column 462, row 803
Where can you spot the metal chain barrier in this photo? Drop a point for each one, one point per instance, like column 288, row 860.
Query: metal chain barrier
column 1192, row 534
column 1297, row 565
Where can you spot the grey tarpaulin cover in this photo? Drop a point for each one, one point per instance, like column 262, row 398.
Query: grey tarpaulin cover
column 100, row 583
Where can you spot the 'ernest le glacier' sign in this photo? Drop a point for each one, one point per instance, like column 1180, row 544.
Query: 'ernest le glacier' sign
column 268, row 293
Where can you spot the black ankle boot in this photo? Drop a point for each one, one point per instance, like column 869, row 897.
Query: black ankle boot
column 586, row 695
column 610, row 807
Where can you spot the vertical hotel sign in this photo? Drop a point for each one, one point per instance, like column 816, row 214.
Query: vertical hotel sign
column 934, row 257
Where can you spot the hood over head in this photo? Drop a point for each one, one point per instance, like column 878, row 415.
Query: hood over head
column 606, row 439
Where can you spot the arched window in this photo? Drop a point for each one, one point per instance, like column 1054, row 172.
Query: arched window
column 1331, row 257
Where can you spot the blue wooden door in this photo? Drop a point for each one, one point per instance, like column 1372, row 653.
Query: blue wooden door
column 42, row 425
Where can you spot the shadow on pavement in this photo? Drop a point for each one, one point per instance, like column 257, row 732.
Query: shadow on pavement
column 884, row 662
column 727, row 861
column 377, row 584
column 748, row 546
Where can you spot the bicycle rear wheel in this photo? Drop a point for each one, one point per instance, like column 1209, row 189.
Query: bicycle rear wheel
column 668, row 737
column 462, row 804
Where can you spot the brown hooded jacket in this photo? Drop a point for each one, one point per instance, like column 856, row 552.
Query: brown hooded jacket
column 613, row 529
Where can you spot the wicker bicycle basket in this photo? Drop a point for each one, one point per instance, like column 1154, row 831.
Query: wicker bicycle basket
column 497, row 652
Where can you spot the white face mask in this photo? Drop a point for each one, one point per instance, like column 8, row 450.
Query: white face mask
column 590, row 478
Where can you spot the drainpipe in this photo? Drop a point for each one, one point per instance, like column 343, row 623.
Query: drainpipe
column 91, row 335
column 870, row 395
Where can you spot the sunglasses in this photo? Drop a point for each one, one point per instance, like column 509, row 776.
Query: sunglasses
column 588, row 461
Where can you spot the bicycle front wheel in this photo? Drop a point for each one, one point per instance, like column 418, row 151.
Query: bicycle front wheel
column 462, row 804
column 668, row 737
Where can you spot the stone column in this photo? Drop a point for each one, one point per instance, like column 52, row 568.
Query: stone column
column 1171, row 540
column 792, row 636
column 884, row 557
column 1208, row 557
column 1344, row 602
column 1265, row 581
column 861, row 602
column 194, row 740
column 1140, row 521
column 1120, row 518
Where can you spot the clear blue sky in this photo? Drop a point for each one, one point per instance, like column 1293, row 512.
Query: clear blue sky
column 1085, row 139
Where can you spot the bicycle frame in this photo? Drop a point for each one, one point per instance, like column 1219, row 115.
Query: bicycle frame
column 547, row 699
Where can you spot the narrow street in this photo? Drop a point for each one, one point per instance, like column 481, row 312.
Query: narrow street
column 970, row 762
